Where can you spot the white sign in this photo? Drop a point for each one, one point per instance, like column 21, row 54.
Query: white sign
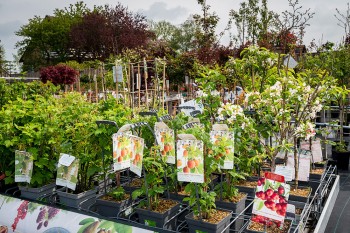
column 191, row 103
column 23, row 166
column 304, row 166
column 285, row 171
column 118, row 74
column 67, row 171
column 316, row 149
column 66, row 160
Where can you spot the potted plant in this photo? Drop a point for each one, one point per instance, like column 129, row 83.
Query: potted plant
column 81, row 141
column 204, row 216
column 111, row 203
column 154, row 210
column 258, row 224
column 32, row 126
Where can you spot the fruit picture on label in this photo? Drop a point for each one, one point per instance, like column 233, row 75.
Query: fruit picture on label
column 166, row 141
column 271, row 199
column 190, row 157
column 223, row 147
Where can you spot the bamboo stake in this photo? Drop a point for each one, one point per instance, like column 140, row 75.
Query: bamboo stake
column 163, row 97
column 96, row 87
column 139, row 84
column 123, row 85
column 128, row 84
column 116, row 81
column 133, row 86
column 146, row 76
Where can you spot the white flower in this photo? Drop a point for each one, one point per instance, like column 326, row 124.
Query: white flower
column 215, row 93
column 199, row 93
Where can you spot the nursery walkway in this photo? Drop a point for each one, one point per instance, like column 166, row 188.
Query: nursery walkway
column 339, row 221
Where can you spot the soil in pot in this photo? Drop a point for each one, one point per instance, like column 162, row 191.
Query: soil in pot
column 302, row 194
column 270, row 228
column 247, row 186
column 158, row 217
column 179, row 196
column 134, row 184
column 236, row 205
column 217, row 222
column 110, row 207
column 316, row 173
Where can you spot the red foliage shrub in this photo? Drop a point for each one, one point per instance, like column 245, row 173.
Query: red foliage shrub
column 58, row 75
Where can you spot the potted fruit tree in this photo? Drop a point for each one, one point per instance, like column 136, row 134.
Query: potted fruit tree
column 198, row 171
column 154, row 210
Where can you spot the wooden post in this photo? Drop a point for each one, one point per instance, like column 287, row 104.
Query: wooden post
column 146, row 76
column 116, row 81
column 96, row 87
column 139, row 83
column 101, row 68
column 128, row 85
column 133, row 86
column 164, row 84
column 123, row 85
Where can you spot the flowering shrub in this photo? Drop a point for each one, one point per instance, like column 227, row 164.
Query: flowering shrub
column 230, row 112
column 305, row 130
column 285, row 110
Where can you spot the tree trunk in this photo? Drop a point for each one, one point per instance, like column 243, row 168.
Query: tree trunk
column 296, row 162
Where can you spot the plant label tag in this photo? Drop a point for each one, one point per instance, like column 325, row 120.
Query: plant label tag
column 223, row 146
column 67, row 176
column 285, row 171
column 290, row 212
column 190, row 165
column 66, row 160
column 316, row 149
column 128, row 211
column 304, row 166
column 122, row 150
column 271, row 198
column 137, row 158
column 23, row 166
column 166, row 140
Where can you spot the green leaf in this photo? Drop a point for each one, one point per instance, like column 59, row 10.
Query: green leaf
column 108, row 225
column 122, row 228
column 87, row 220
column 260, row 205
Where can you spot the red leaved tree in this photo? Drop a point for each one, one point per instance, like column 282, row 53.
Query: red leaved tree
column 58, row 75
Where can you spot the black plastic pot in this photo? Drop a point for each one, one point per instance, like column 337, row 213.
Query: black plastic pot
column 110, row 208
column 342, row 159
column 201, row 226
column 177, row 197
column 300, row 198
column 151, row 218
column 81, row 200
column 250, row 191
column 235, row 208
column 252, row 231
column 36, row 193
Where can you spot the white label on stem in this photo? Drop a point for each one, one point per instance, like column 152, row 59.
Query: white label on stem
column 66, row 159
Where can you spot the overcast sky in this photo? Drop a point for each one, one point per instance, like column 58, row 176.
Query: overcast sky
column 14, row 13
